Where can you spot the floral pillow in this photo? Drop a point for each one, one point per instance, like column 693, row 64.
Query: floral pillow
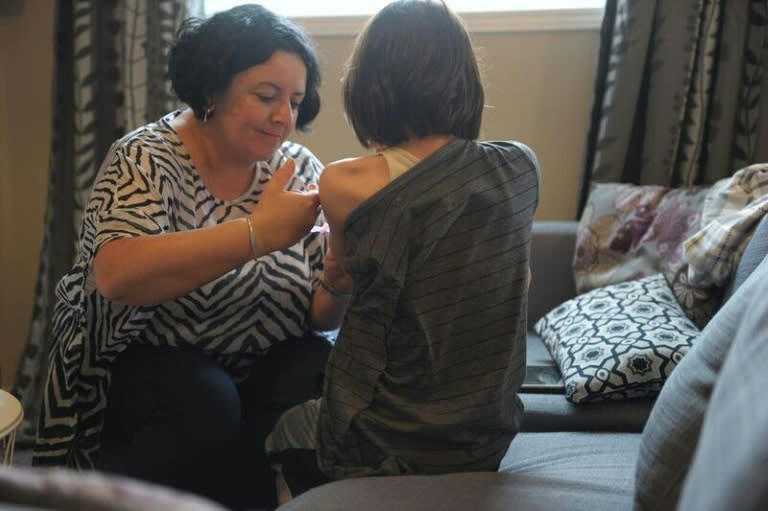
column 629, row 232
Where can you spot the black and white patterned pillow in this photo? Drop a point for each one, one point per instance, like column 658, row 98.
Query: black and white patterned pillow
column 618, row 341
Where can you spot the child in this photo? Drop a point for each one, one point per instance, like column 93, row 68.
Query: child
column 434, row 231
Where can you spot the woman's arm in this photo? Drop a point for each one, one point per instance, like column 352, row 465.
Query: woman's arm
column 329, row 306
column 330, row 299
column 151, row 269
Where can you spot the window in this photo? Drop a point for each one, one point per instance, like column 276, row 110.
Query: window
column 302, row 8
column 335, row 17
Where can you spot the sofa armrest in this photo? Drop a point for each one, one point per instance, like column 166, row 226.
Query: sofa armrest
column 552, row 250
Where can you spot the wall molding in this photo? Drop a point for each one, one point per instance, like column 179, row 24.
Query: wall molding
column 550, row 20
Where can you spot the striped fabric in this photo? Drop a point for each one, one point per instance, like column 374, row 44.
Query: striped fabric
column 424, row 373
column 147, row 185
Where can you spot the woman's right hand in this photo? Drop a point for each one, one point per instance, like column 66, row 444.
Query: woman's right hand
column 283, row 217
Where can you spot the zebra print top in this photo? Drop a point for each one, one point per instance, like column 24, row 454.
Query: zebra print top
column 148, row 185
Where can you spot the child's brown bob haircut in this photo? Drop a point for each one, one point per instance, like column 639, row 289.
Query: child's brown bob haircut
column 413, row 73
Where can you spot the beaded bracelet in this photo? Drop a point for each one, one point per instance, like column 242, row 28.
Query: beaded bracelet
column 332, row 290
column 251, row 237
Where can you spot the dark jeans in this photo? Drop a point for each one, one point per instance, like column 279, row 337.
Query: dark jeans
column 175, row 417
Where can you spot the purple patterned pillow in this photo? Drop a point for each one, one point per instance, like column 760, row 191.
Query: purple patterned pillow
column 629, row 232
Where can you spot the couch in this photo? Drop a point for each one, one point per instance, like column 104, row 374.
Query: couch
column 699, row 445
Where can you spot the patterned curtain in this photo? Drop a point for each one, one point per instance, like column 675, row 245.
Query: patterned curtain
column 678, row 92
column 110, row 77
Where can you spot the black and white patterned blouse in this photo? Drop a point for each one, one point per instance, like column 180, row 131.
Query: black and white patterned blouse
column 148, row 185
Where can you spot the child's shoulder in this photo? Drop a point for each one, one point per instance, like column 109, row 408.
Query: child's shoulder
column 350, row 166
column 355, row 178
column 349, row 170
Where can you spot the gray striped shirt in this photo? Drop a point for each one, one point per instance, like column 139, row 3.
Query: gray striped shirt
column 425, row 371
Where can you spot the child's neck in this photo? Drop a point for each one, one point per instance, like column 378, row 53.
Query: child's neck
column 423, row 147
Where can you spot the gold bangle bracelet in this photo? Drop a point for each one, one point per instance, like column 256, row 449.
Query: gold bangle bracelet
column 251, row 237
column 332, row 290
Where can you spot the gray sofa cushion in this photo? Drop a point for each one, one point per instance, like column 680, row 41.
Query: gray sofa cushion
column 541, row 471
column 729, row 467
column 552, row 412
column 552, row 248
column 572, row 470
column 672, row 431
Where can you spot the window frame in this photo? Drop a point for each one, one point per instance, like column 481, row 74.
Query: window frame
column 503, row 20
column 543, row 20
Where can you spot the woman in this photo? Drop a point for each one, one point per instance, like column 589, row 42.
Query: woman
column 191, row 305
column 435, row 231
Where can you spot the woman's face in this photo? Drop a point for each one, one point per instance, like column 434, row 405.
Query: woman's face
column 258, row 110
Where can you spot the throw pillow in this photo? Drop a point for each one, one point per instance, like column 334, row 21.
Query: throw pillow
column 628, row 232
column 672, row 432
column 619, row 341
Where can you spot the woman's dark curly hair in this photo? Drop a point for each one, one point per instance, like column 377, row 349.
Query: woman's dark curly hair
column 208, row 53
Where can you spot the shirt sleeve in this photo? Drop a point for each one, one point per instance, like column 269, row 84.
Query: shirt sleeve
column 535, row 160
column 124, row 202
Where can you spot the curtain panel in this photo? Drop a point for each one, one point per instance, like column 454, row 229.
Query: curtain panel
column 679, row 94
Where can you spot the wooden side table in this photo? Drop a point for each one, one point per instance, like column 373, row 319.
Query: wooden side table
column 11, row 415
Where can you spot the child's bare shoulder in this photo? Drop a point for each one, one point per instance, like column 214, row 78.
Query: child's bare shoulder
column 350, row 167
column 349, row 173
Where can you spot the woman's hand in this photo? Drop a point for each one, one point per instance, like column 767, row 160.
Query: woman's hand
column 283, row 217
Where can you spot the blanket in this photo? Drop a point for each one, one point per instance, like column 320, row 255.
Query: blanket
column 732, row 209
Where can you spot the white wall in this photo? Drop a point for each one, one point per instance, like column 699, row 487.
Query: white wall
column 538, row 91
